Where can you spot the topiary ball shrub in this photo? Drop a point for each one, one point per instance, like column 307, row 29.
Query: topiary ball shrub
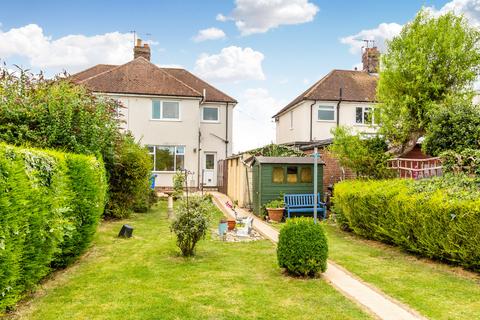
column 302, row 247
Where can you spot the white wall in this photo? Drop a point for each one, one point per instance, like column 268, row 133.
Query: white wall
column 300, row 131
column 183, row 132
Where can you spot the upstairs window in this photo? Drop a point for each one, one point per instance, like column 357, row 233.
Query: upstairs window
column 326, row 113
column 366, row 115
column 210, row 114
column 165, row 110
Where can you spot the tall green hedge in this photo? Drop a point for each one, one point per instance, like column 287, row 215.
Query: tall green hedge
column 50, row 205
column 438, row 218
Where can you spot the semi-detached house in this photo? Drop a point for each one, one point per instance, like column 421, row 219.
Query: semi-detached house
column 185, row 122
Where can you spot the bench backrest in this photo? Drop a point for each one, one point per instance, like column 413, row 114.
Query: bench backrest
column 301, row 200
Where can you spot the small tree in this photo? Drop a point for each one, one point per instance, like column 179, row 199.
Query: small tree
column 191, row 223
column 178, row 184
column 367, row 157
column 432, row 60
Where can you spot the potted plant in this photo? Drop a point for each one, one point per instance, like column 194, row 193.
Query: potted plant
column 231, row 224
column 275, row 209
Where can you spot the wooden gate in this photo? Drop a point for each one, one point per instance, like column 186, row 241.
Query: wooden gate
column 222, row 176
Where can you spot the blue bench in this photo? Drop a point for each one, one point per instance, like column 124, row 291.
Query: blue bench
column 304, row 203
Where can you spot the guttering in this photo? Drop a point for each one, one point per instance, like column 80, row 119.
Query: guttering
column 311, row 119
column 226, row 132
column 338, row 106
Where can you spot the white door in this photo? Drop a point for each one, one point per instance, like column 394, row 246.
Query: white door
column 210, row 169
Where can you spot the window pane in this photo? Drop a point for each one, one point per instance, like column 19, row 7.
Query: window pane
column 306, row 175
column 277, row 175
column 367, row 117
column 155, row 109
column 164, row 158
column 210, row 114
column 180, row 150
column 326, row 113
column 359, row 115
column 209, row 161
column 180, row 162
column 292, row 174
column 170, row 110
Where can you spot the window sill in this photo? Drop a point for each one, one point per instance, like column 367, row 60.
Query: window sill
column 208, row 121
column 166, row 120
column 327, row 121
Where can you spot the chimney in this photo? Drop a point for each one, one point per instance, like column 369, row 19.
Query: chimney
column 141, row 51
column 371, row 60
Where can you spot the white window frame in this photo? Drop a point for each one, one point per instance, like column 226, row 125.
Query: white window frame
column 327, row 107
column 161, row 111
column 154, row 153
column 211, row 121
column 372, row 113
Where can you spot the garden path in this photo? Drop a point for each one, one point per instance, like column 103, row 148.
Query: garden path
column 372, row 299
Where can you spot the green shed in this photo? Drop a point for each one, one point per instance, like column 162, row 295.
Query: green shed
column 274, row 176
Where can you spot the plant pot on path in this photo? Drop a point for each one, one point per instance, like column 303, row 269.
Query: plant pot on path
column 231, row 224
column 275, row 214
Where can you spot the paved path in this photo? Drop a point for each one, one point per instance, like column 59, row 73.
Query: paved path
column 370, row 298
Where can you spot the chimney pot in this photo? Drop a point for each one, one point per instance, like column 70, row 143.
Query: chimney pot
column 139, row 42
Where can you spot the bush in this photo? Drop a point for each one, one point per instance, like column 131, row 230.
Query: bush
column 50, row 205
column 302, row 247
column 191, row 223
column 178, row 184
column 145, row 201
column 438, row 218
column 129, row 177
column 467, row 161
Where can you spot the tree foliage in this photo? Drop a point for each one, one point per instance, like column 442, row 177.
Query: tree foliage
column 277, row 150
column 455, row 128
column 433, row 60
column 366, row 156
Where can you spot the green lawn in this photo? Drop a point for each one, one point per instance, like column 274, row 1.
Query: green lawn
column 436, row 290
column 144, row 278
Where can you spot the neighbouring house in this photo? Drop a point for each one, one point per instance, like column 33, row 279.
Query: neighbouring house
column 185, row 122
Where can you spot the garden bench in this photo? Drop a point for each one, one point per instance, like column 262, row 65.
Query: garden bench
column 304, row 203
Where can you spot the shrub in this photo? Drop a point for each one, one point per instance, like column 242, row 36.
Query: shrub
column 129, row 174
column 145, row 201
column 50, row 204
column 467, row 161
column 178, row 184
column 438, row 218
column 302, row 247
column 275, row 204
column 191, row 222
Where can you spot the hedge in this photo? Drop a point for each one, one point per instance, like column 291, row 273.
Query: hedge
column 438, row 218
column 50, row 205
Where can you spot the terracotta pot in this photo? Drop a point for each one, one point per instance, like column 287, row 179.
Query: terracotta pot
column 275, row 214
column 231, row 224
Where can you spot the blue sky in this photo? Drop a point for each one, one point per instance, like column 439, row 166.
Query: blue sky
column 262, row 53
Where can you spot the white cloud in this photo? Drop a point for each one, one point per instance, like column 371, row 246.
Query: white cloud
column 469, row 8
column 253, row 124
column 71, row 52
column 253, row 16
column 209, row 34
column 231, row 64
column 384, row 31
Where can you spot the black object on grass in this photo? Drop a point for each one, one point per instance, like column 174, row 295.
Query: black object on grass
column 126, row 231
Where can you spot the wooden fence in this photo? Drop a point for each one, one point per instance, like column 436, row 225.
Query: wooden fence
column 416, row 168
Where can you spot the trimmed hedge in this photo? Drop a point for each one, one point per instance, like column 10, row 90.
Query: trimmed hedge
column 302, row 247
column 438, row 218
column 50, row 205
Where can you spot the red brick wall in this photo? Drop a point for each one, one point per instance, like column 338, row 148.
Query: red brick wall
column 332, row 170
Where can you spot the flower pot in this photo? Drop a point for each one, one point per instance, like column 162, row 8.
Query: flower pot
column 231, row 224
column 275, row 214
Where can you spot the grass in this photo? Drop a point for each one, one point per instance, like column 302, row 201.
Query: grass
column 436, row 290
column 145, row 278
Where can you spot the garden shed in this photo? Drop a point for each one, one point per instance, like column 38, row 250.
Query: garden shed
column 274, row 176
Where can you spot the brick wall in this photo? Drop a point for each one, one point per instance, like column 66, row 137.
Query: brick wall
column 332, row 170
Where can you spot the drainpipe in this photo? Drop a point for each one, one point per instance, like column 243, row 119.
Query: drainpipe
column 338, row 106
column 226, row 133
column 311, row 119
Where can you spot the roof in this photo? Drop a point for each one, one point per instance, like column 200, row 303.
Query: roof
column 357, row 86
column 140, row 76
column 286, row 160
